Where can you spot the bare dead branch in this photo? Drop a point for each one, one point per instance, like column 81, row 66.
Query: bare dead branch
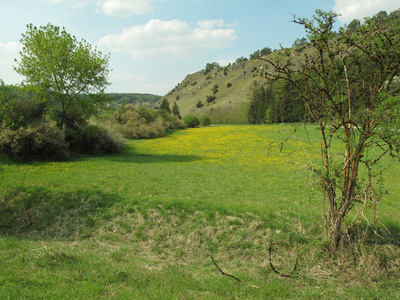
column 274, row 269
column 222, row 272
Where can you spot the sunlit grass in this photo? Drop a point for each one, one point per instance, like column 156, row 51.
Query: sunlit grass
column 143, row 223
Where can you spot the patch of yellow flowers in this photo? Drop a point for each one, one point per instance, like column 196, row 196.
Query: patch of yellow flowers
column 248, row 146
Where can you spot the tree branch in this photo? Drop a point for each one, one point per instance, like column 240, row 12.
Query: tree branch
column 222, row 272
column 274, row 269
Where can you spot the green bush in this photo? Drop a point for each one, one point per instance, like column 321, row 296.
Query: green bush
column 43, row 139
column 210, row 99
column 93, row 139
column 205, row 120
column 191, row 121
column 135, row 123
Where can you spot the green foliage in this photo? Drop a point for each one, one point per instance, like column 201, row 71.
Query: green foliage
column 17, row 108
column 205, row 120
column 191, row 121
column 285, row 104
column 346, row 85
column 165, row 105
column 210, row 98
column 141, row 122
column 67, row 75
column 91, row 139
column 258, row 103
column 199, row 104
column 35, row 140
column 215, row 89
column 210, row 66
column 257, row 54
column 300, row 42
column 175, row 110
column 134, row 98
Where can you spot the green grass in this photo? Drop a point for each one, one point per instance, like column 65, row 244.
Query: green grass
column 143, row 224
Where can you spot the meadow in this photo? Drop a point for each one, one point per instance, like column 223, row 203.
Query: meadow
column 144, row 223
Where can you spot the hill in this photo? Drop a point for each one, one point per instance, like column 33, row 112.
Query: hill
column 232, row 84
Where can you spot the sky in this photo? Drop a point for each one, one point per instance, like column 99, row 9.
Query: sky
column 155, row 44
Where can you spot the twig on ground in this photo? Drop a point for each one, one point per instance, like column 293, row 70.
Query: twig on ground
column 274, row 269
column 222, row 272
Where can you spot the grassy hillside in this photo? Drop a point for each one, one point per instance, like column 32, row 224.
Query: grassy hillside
column 233, row 81
column 143, row 224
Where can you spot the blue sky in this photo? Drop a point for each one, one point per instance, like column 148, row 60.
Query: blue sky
column 154, row 44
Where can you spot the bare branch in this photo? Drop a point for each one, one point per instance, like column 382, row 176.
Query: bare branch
column 222, row 272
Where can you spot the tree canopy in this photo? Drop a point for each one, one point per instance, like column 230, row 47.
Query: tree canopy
column 69, row 76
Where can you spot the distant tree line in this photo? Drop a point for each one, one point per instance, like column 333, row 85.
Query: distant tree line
column 134, row 98
column 276, row 103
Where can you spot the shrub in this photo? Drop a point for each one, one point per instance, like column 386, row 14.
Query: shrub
column 93, row 139
column 191, row 121
column 43, row 139
column 205, row 120
column 210, row 99
column 134, row 123
column 199, row 104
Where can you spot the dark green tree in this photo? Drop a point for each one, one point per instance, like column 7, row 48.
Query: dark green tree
column 215, row 89
column 175, row 110
column 165, row 105
column 284, row 104
column 68, row 75
column 265, row 51
column 210, row 67
column 300, row 42
column 258, row 103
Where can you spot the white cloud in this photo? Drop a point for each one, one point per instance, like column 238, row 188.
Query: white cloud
column 117, row 8
column 359, row 9
column 124, row 8
column 210, row 24
column 8, row 52
column 167, row 40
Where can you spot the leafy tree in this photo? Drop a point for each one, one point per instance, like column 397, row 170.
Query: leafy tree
column 354, row 25
column 265, row 51
column 258, row 103
column 300, row 42
column 175, row 110
column 346, row 86
column 255, row 55
column 210, row 67
column 165, row 105
column 68, row 75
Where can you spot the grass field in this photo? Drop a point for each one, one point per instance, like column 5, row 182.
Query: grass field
column 143, row 224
